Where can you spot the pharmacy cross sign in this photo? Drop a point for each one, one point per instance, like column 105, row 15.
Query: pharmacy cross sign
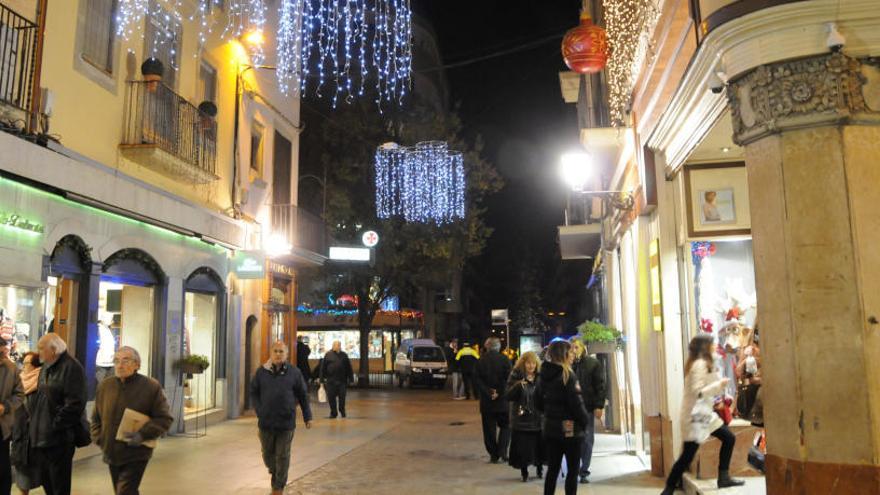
column 370, row 238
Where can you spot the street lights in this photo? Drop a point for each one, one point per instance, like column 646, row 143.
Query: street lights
column 577, row 168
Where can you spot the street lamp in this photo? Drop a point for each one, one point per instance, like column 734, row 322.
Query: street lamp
column 578, row 168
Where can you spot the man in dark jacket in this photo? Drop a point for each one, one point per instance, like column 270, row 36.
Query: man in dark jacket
column 302, row 359
column 128, row 390
column 336, row 373
column 467, row 360
column 454, row 368
column 57, row 414
column 493, row 369
column 11, row 398
column 591, row 377
column 275, row 390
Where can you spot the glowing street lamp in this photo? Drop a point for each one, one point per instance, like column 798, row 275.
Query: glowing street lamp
column 277, row 245
column 576, row 168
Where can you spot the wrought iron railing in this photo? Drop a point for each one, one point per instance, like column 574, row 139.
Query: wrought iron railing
column 301, row 228
column 18, row 40
column 157, row 116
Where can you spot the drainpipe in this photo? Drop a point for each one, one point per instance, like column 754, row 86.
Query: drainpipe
column 235, row 159
column 37, row 60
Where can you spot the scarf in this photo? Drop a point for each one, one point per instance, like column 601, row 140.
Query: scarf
column 29, row 380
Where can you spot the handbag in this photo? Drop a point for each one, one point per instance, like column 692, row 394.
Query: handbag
column 722, row 408
column 322, row 394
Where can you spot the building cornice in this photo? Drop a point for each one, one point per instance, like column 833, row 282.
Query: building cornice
column 771, row 35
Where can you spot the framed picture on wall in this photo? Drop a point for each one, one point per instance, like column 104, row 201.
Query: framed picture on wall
column 717, row 197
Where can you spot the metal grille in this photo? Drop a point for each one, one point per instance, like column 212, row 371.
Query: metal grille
column 18, row 38
column 157, row 116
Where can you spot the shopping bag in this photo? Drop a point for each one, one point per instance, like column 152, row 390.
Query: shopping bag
column 322, row 394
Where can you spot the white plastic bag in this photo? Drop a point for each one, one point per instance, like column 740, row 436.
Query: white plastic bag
column 701, row 421
column 322, row 394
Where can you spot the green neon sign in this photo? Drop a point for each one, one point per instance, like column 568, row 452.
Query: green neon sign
column 15, row 221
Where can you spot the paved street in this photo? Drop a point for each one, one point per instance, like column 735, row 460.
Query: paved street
column 392, row 442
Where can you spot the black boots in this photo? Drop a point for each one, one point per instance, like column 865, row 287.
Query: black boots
column 525, row 474
column 724, row 480
column 668, row 491
column 540, row 471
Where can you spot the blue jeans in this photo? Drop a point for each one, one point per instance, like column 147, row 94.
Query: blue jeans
column 587, row 445
column 457, row 385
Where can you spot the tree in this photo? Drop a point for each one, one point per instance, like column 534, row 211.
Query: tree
column 409, row 256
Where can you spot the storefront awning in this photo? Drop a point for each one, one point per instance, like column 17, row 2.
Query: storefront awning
column 577, row 242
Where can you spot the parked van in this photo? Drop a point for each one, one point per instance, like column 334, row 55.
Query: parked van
column 422, row 362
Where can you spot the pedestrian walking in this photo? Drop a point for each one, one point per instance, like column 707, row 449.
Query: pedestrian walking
column 591, row 378
column 57, row 414
column 303, row 351
column 11, row 398
column 336, row 374
column 493, row 369
column 559, row 399
column 467, row 361
column 454, row 367
column 120, row 399
column 526, row 445
column 27, row 472
column 276, row 389
column 698, row 419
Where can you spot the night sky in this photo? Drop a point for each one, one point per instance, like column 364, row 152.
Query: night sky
column 514, row 102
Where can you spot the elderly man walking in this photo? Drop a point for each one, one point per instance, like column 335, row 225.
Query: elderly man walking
column 493, row 369
column 336, row 372
column 128, row 390
column 57, row 414
column 276, row 388
column 11, row 398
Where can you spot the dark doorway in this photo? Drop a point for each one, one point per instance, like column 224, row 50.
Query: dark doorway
column 250, row 325
column 281, row 162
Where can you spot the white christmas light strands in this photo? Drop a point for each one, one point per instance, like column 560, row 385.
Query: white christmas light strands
column 345, row 44
column 424, row 183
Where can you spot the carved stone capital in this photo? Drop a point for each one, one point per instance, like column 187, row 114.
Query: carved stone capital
column 823, row 90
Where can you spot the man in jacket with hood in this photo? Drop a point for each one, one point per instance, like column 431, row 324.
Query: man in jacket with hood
column 591, row 377
column 57, row 413
column 276, row 388
column 493, row 369
column 336, row 372
column 128, row 390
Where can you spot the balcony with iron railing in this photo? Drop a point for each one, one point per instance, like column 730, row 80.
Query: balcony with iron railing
column 304, row 231
column 18, row 45
column 164, row 132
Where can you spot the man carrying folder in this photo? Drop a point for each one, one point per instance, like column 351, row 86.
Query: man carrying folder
column 131, row 411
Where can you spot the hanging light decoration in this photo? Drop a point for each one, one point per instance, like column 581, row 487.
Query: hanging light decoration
column 344, row 45
column 585, row 47
column 424, row 183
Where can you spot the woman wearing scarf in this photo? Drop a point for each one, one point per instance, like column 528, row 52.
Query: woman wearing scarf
column 27, row 473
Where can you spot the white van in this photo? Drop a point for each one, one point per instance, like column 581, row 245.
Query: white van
column 420, row 361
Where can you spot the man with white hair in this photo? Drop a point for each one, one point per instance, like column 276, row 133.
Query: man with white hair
column 57, row 413
column 128, row 390
column 275, row 390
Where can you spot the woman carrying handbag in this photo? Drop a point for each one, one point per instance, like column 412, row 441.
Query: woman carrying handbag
column 526, row 446
column 698, row 417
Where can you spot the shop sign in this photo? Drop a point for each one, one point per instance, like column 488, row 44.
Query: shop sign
column 499, row 317
column 339, row 253
column 14, row 220
column 281, row 269
column 370, row 238
column 249, row 264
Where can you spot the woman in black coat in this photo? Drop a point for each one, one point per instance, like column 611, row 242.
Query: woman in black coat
column 526, row 446
column 559, row 399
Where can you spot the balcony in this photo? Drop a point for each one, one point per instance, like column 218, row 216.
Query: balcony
column 164, row 132
column 302, row 230
column 581, row 236
column 18, row 41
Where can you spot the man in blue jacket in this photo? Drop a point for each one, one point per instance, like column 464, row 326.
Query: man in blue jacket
column 275, row 390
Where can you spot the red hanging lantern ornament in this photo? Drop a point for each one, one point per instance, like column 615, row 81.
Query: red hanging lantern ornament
column 585, row 47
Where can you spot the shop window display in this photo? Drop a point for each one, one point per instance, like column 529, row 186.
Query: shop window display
column 125, row 317
column 320, row 342
column 200, row 337
column 726, row 307
column 22, row 319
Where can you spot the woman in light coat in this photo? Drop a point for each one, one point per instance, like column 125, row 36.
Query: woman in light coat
column 698, row 420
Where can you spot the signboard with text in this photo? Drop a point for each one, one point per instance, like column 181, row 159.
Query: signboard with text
column 249, row 265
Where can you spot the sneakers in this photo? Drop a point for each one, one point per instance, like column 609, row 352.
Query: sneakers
column 725, row 481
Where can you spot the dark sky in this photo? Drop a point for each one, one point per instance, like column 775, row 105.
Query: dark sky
column 514, row 103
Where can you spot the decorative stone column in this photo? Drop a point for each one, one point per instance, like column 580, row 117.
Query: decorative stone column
column 811, row 131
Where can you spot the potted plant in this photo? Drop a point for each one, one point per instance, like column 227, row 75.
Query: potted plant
column 599, row 337
column 193, row 364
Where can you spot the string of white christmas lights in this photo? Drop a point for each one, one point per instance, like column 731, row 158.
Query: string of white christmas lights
column 629, row 24
column 425, row 183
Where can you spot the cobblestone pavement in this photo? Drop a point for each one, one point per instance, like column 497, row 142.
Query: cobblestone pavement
column 395, row 441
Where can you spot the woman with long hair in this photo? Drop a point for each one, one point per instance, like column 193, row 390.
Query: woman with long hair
column 559, row 399
column 27, row 471
column 526, row 447
column 698, row 421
